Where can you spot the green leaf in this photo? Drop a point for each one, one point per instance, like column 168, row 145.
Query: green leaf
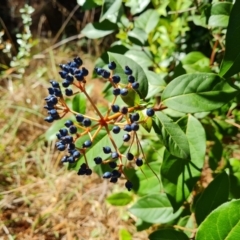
column 196, row 62
column 79, row 103
column 145, row 181
column 124, row 235
column 192, row 93
column 147, row 20
column 99, row 30
column 234, row 177
column 138, row 73
column 110, row 10
column 132, row 98
column 156, row 83
column 153, row 208
column 220, row 14
column 137, row 6
column 173, row 136
column 231, row 61
column 140, row 57
column 213, row 196
column 172, row 169
column 197, row 141
column 119, row 199
column 138, row 36
column 168, row 234
column 222, row 224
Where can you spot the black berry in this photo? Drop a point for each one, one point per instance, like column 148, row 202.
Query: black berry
column 150, row 112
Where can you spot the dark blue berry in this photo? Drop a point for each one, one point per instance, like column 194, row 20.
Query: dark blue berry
column 87, row 122
column 79, row 76
column 116, row 129
column 71, row 159
column 73, row 65
column 126, row 137
column 84, row 71
column 70, row 78
column 68, row 123
column 123, row 91
column 124, row 110
column 131, row 79
column 127, row 128
column 65, row 83
column 116, row 79
column 63, row 74
column 112, row 164
column 139, row 162
column 98, row 160
column 113, row 180
column 150, row 112
column 68, row 139
column 107, row 175
column 64, row 159
column 54, row 84
column 105, row 74
column 51, row 91
column 135, row 85
column 129, row 156
column 68, row 92
column 116, row 91
column 76, row 154
column 61, row 147
column 129, row 185
column 72, row 129
column 64, row 132
column 83, row 166
column 59, row 136
column 135, row 117
column 115, row 155
column 49, row 119
column 134, row 126
column 87, row 144
column 53, row 112
column 57, row 92
column 81, row 171
column 53, row 100
column 99, row 71
column 107, row 149
column 115, row 108
column 116, row 174
column 71, row 146
column 112, row 65
column 78, row 60
column 88, row 171
column 128, row 70
column 79, row 118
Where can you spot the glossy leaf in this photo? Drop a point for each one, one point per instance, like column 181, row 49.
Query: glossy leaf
column 192, row 93
column 213, row 196
column 140, row 57
column 172, row 135
column 119, row 199
column 138, row 72
column 79, row 103
column 137, row 36
column 110, row 10
column 99, row 29
column 147, row 20
column 220, row 14
column 172, row 169
column 197, row 141
column 137, row 6
column 156, row 83
column 196, row 62
column 234, row 177
column 222, row 224
column 132, row 98
column 168, row 234
column 153, row 208
column 231, row 61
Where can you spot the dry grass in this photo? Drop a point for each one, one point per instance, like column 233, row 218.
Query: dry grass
column 39, row 198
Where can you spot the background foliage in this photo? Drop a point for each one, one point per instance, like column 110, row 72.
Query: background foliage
column 186, row 55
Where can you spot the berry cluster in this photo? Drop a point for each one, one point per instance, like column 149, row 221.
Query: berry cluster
column 125, row 118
